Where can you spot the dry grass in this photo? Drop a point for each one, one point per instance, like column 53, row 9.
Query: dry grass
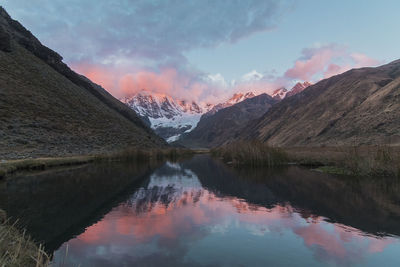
column 378, row 160
column 354, row 160
column 253, row 153
column 17, row 248
column 11, row 166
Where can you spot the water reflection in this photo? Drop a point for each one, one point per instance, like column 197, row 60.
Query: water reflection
column 58, row 204
column 201, row 213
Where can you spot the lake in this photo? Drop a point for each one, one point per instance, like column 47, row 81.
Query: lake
column 200, row 212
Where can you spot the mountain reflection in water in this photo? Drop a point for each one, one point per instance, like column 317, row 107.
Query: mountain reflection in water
column 201, row 213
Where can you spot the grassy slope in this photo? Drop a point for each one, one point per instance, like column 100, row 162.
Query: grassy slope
column 361, row 106
column 42, row 113
column 46, row 109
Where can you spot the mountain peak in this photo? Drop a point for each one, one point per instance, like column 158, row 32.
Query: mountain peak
column 282, row 92
column 169, row 117
column 236, row 98
column 279, row 93
column 239, row 97
column 298, row 87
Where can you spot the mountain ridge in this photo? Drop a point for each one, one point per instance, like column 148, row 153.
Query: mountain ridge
column 360, row 106
column 49, row 110
column 171, row 117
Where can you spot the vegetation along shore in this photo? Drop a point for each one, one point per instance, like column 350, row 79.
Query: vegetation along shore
column 377, row 160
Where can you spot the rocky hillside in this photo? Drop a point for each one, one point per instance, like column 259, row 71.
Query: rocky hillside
column 215, row 129
column 46, row 109
column 360, row 106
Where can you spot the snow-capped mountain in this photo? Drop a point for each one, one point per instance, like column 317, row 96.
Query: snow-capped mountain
column 299, row 87
column 167, row 116
column 236, row 98
column 282, row 92
column 279, row 93
column 170, row 117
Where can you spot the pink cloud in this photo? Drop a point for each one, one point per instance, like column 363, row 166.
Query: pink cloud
column 313, row 62
column 334, row 69
column 123, row 79
column 326, row 61
column 121, row 82
column 362, row 60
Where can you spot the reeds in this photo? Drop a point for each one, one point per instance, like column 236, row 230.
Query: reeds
column 379, row 160
column 251, row 153
column 17, row 248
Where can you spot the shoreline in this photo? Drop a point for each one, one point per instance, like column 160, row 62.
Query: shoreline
column 356, row 160
column 9, row 167
column 365, row 160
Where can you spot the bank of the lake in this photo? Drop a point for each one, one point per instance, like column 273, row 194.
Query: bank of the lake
column 378, row 160
column 367, row 160
column 8, row 167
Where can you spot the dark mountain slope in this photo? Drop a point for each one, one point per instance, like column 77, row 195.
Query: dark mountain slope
column 46, row 109
column 360, row 106
column 215, row 129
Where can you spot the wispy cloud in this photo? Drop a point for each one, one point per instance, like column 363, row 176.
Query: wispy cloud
column 325, row 61
column 102, row 30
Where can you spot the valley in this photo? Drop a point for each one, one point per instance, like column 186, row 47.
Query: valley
column 192, row 133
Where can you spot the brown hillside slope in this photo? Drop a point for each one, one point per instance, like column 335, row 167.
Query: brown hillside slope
column 46, row 109
column 360, row 106
column 215, row 129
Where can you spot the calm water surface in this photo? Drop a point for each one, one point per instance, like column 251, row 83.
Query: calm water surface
column 199, row 212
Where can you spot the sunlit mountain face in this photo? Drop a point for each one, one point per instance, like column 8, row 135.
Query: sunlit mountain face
column 171, row 118
column 186, row 214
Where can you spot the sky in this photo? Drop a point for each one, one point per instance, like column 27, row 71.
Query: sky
column 206, row 50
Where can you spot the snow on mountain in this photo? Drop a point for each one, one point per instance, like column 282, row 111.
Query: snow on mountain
column 168, row 117
column 239, row 97
column 279, row 93
column 236, row 98
column 299, row 87
column 282, row 92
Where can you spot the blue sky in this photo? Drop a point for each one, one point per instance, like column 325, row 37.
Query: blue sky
column 206, row 50
column 369, row 27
